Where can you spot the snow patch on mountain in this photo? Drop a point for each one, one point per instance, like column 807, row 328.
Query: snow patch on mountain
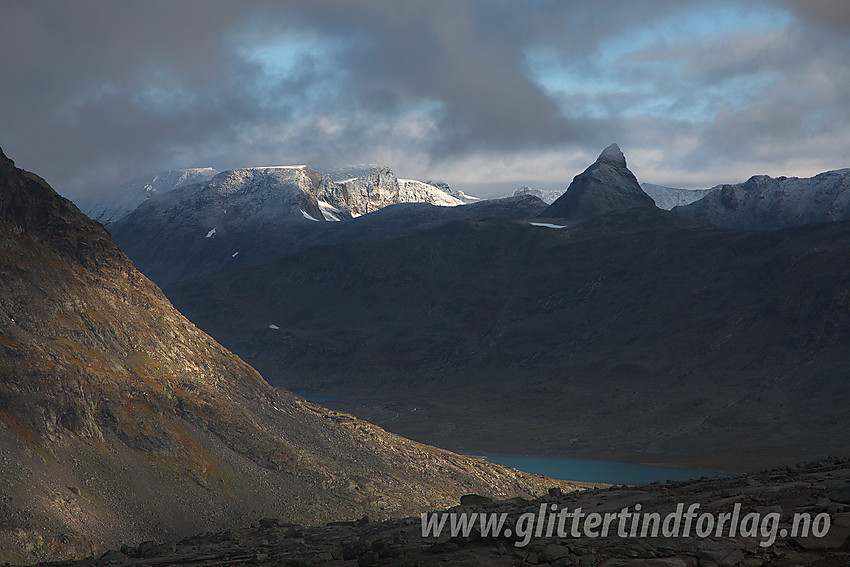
column 547, row 225
column 329, row 212
column 308, row 217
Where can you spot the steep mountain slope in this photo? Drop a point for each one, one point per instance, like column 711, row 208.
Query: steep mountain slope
column 121, row 422
column 203, row 228
column 126, row 198
column 640, row 335
column 668, row 197
column 607, row 186
column 767, row 203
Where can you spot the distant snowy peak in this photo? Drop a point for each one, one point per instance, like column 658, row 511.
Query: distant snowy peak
column 334, row 195
column 262, row 193
column 267, row 182
column 668, row 197
column 767, row 203
column 456, row 193
column 548, row 196
column 127, row 197
column 361, row 189
column 412, row 191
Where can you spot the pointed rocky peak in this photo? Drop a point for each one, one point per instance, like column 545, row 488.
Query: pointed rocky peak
column 607, row 186
column 612, row 155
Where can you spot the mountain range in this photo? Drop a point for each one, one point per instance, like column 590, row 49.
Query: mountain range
column 617, row 330
column 122, row 422
column 597, row 326
column 357, row 189
column 244, row 217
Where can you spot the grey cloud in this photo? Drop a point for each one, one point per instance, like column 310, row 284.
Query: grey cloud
column 97, row 91
column 833, row 14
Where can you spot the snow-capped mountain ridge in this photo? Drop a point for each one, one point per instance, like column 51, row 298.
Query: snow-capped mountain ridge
column 412, row 191
column 332, row 195
column 771, row 203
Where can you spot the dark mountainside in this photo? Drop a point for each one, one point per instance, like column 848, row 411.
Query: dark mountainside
column 607, row 186
column 167, row 238
column 121, row 422
column 638, row 335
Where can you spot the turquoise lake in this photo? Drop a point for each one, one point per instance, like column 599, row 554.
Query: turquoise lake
column 598, row 470
column 585, row 470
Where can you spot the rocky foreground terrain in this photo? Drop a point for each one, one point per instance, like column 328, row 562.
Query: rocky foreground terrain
column 818, row 489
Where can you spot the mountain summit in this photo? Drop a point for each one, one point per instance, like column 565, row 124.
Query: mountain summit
column 606, row 186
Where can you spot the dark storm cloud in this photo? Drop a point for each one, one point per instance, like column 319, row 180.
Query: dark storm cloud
column 96, row 91
column 831, row 13
column 101, row 89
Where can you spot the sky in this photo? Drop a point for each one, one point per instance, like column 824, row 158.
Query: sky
column 487, row 95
